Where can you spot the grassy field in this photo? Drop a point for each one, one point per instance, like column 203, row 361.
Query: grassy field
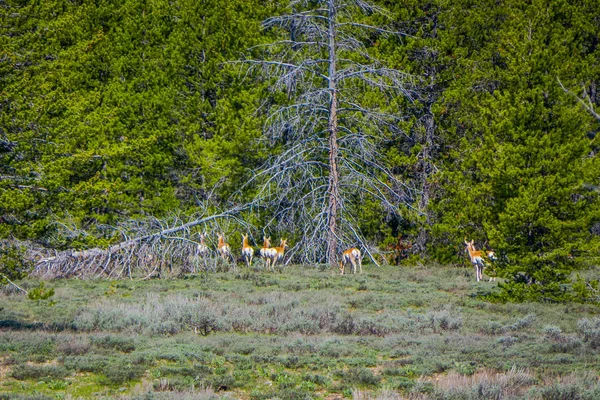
column 390, row 333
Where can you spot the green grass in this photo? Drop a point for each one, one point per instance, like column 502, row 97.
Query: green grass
column 393, row 332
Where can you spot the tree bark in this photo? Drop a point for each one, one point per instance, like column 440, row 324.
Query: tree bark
column 333, row 187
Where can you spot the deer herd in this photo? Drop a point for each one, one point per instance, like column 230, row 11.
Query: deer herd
column 350, row 257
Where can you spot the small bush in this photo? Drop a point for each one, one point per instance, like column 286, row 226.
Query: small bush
column 444, row 320
column 590, row 329
column 14, row 396
column 560, row 392
column 88, row 363
column 119, row 373
column 553, row 333
column 346, row 326
column 360, row 376
column 524, row 322
column 75, row 346
column 316, row 379
column 492, row 328
column 372, row 327
column 221, row 382
column 507, row 340
column 125, row 345
column 401, row 383
column 24, row 371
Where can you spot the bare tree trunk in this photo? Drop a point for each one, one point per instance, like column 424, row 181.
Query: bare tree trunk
column 333, row 188
column 329, row 162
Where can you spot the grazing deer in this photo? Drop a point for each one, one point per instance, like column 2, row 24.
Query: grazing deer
column 476, row 259
column 247, row 251
column 399, row 250
column 351, row 256
column 276, row 253
column 223, row 248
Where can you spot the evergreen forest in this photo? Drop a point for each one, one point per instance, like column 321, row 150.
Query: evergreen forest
column 333, row 124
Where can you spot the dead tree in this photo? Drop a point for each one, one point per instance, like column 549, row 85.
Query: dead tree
column 326, row 140
column 149, row 249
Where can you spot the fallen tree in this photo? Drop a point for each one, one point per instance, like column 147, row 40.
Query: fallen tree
column 168, row 248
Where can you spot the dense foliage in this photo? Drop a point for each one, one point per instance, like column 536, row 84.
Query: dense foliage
column 122, row 110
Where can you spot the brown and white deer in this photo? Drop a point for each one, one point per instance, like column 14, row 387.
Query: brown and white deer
column 222, row 247
column 276, row 253
column 247, row 251
column 202, row 248
column 265, row 251
column 477, row 259
column 351, row 256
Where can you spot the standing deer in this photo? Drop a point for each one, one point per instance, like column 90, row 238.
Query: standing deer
column 223, row 248
column 266, row 252
column 202, row 248
column 201, row 253
column 276, row 253
column 247, row 250
column 351, row 256
column 477, row 259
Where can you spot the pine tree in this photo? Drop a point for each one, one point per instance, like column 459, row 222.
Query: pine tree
column 523, row 173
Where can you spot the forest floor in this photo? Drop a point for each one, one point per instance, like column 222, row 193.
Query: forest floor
column 420, row 332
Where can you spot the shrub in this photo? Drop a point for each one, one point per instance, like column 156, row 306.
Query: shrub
column 119, row 373
column 444, row 320
column 87, row 363
column 74, row 346
column 316, row 379
column 492, row 328
column 590, row 329
column 221, row 382
column 14, row 396
column 507, row 340
column 346, row 326
column 553, row 332
column 560, row 392
column 25, row 371
column 110, row 342
column 368, row 326
column 522, row 323
column 360, row 376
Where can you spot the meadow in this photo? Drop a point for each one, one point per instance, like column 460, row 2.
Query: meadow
column 418, row 332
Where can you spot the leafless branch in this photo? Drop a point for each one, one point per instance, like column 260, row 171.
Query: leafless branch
column 140, row 252
column 585, row 102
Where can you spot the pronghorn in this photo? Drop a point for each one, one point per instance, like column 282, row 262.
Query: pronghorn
column 266, row 251
column 247, row 251
column 223, row 248
column 351, row 256
column 477, row 258
column 202, row 248
column 200, row 254
column 276, row 253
